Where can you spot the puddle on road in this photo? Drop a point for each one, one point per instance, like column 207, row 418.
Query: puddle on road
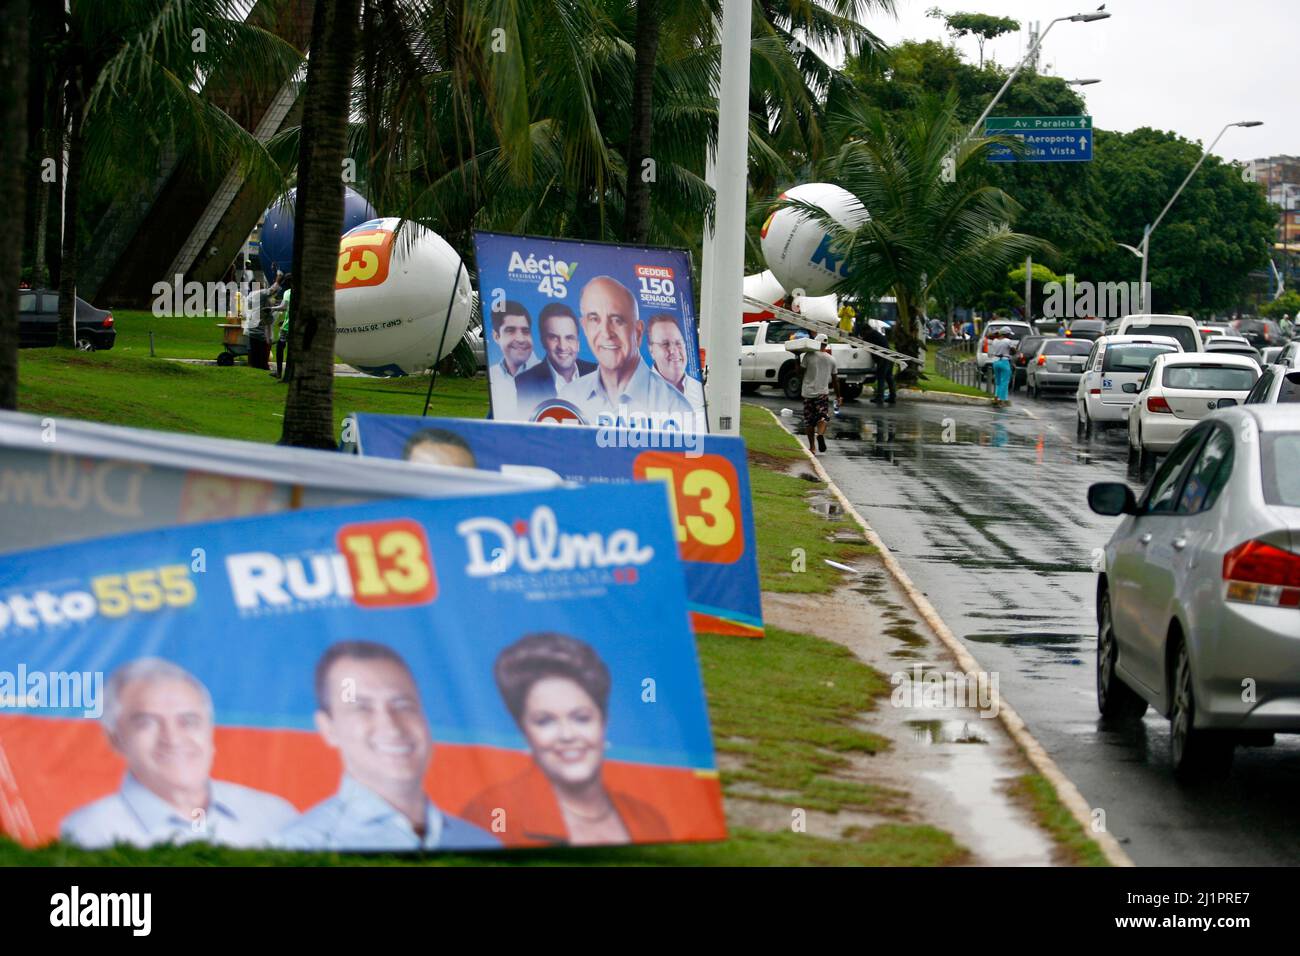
column 946, row 732
column 1064, row 648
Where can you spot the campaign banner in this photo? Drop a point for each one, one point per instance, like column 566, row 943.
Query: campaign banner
column 708, row 476
column 592, row 333
column 456, row 674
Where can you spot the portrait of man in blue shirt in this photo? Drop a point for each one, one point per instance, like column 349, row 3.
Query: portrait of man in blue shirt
column 159, row 717
column 369, row 710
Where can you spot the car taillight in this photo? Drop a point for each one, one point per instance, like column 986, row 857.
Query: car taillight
column 1094, row 391
column 1068, row 333
column 1157, row 404
column 986, row 345
column 1042, row 360
column 1260, row 573
column 108, row 321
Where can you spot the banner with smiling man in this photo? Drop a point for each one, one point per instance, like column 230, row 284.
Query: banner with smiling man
column 590, row 333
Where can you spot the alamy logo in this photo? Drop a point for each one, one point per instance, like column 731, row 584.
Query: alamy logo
column 538, row 545
column 133, row 910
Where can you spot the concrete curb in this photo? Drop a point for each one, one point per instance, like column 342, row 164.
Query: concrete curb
column 1065, row 789
column 948, row 398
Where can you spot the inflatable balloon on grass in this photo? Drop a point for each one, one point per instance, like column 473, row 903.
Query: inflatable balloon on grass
column 798, row 249
column 276, row 240
column 402, row 299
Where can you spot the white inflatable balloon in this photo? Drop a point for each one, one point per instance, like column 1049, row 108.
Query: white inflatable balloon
column 797, row 249
column 765, row 287
column 394, row 303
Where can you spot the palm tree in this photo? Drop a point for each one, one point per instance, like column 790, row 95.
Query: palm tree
column 323, row 146
column 636, row 213
column 937, row 228
column 132, row 76
column 13, row 150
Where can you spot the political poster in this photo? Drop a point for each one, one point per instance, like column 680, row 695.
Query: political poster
column 66, row 480
column 592, row 333
column 458, row 674
column 708, row 476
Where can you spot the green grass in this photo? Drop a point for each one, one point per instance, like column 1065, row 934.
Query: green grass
column 934, row 382
column 1075, row 846
column 236, row 402
column 173, row 336
column 786, row 526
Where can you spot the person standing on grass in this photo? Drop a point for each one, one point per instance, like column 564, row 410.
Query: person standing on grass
column 282, row 343
column 1000, row 353
column 818, row 380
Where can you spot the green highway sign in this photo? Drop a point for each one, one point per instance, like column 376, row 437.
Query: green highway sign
column 1025, row 124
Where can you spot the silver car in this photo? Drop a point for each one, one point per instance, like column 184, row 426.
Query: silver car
column 1198, row 605
column 1059, row 364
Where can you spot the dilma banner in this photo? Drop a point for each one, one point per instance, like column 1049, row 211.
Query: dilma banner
column 707, row 476
column 461, row 674
column 591, row 333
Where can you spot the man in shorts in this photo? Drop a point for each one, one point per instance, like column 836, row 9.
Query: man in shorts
column 818, row 380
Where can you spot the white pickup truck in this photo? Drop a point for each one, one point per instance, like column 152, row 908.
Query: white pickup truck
column 765, row 360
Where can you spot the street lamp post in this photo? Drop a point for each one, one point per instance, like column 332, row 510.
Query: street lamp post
column 1077, row 18
column 1146, row 233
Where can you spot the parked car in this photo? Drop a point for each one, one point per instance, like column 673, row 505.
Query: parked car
column 1200, row 589
column 1115, row 361
column 1232, row 345
column 1178, row 391
column 1269, row 356
column 1277, row 385
column 1181, row 327
column 1210, row 329
column 1016, row 328
column 1260, row 333
column 1090, row 329
column 1059, row 364
column 38, row 322
column 1026, row 349
column 765, row 360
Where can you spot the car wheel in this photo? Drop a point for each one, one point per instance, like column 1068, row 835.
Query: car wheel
column 1197, row 754
column 792, row 385
column 1115, row 699
column 1084, row 424
column 85, row 345
column 225, row 360
column 1146, row 460
column 850, row 393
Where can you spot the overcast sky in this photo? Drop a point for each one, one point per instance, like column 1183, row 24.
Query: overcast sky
column 1184, row 65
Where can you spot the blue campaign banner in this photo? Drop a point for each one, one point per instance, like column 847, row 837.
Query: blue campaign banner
column 708, row 476
column 465, row 673
column 592, row 333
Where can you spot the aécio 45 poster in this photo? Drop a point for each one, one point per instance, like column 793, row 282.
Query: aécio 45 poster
column 592, row 333
column 462, row 674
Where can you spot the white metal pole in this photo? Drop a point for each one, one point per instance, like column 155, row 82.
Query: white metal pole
column 724, row 273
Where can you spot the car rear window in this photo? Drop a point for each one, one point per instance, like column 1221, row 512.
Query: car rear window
column 1290, row 390
column 1066, row 347
column 1280, row 459
column 1182, row 334
column 1217, row 378
column 1132, row 358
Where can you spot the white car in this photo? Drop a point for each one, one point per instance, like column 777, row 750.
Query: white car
column 1178, row 391
column 1115, row 360
column 1199, row 596
column 1184, row 328
column 1290, row 355
column 1232, row 345
column 1277, row 385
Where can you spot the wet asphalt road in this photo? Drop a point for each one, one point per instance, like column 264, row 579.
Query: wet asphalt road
column 986, row 511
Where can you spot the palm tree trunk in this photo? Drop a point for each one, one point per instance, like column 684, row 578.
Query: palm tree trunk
column 309, row 406
column 636, row 213
column 13, row 149
column 905, row 340
column 67, row 337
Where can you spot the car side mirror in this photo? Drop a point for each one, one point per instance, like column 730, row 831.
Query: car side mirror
column 1112, row 498
column 1129, row 388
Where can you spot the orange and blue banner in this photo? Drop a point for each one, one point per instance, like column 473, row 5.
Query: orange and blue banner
column 708, row 476
column 459, row 674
